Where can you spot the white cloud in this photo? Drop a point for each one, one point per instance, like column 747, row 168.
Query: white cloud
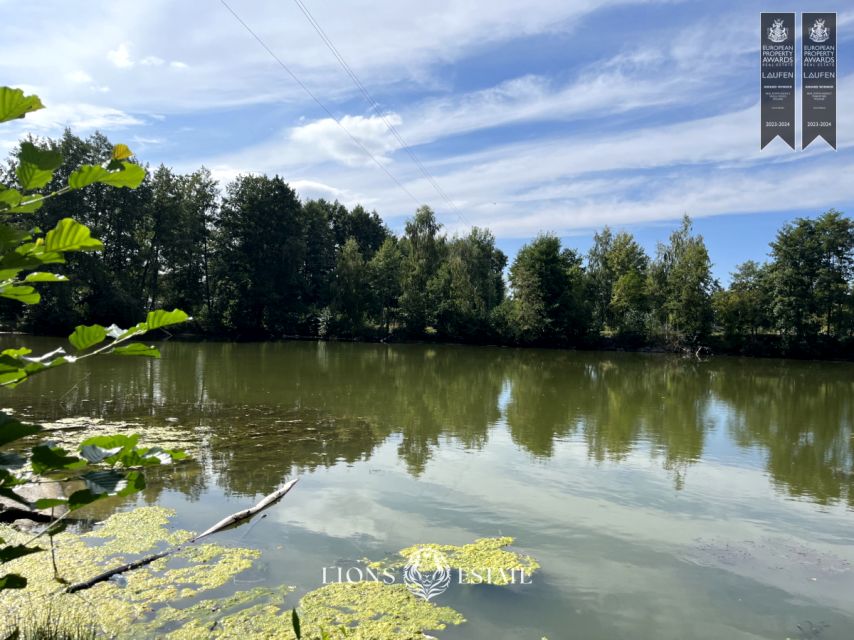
column 79, row 77
column 151, row 61
column 120, row 56
column 311, row 189
column 177, row 64
column 324, row 139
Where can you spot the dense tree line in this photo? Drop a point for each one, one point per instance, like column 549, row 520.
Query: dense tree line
column 253, row 261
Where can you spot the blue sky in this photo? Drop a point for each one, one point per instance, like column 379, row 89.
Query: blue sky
column 558, row 116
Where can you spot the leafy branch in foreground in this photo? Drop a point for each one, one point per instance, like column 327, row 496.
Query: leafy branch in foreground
column 107, row 465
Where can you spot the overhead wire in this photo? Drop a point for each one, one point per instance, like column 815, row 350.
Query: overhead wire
column 320, row 103
column 404, row 145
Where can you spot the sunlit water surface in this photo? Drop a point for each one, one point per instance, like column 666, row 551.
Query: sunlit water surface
column 664, row 498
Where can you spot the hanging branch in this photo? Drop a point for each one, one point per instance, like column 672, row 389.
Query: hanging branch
column 233, row 519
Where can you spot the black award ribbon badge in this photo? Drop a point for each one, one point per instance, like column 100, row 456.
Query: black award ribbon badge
column 777, row 99
column 818, row 45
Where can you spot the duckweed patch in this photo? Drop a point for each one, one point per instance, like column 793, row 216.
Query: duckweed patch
column 372, row 611
column 115, row 605
column 474, row 561
column 172, row 597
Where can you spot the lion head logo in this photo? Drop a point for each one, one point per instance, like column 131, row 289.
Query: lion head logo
column 427, row 573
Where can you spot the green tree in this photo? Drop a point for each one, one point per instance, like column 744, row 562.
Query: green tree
column 548, row 292
column 366, row 227
column 469, row 285
column 385, row 273
column 320, row 247
column 186, row 250
column 259, row 253
column 351, row 291
column 812, row 269
column 680, row 285
column 423, row 249
column 745, row 308
column 600, row 278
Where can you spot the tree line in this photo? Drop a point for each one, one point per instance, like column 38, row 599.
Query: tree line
column 252, row 262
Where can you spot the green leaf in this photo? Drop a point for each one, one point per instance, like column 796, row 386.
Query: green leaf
column 295, row 623
column 70, row 235
column 12, row 581
column 11, row 552
column 160, row 318
column 81, row 498
column 137, row 349
column 12, row 378
column 9, row 198
column 36, row 166
column 11, row 429
column 14, row 104
column 47, row 503
column 87, row 336
column 21, row 293
column 47, row 458
column 130, row 175
column 45, row 276
column 112, row 441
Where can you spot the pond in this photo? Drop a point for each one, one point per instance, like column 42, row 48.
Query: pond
column 663, row 498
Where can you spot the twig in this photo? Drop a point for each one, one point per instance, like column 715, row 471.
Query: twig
column 233, row 519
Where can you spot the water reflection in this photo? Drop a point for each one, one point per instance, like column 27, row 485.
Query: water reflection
column 259, row 411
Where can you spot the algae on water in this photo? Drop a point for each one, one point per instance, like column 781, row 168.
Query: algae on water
column 484, row 561
column 172, row 597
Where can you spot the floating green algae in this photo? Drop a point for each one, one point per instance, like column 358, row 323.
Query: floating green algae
column 123, row 537
column 484, row 561
column 172, row 597
column 373, row 610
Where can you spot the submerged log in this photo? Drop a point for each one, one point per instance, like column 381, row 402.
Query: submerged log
column 229, row 521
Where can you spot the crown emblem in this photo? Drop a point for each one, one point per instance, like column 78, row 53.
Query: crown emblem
column 819, row 32
column 777, row 32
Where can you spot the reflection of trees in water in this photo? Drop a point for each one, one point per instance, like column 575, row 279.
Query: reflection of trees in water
column 801, row 416
column 267, row 409
column 615, row 403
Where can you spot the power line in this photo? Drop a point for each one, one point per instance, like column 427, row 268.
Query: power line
column 376, row 107
column 319, row 103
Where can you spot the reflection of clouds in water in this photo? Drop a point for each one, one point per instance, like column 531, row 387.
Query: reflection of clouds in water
column 341, row 513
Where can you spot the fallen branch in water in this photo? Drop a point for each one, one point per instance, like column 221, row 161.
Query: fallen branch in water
column 233, row 519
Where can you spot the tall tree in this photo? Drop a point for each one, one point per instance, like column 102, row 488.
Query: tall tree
column 600, row 278
column 351, row 290
column 319, row 266
column 812, row 268
column 469, row 285
column 260, row 249
column 423, row 249
column 366, row 227
column 385, row 272
column 548, row 292
column 186, row 252
column 680, row 285
column 745, row 308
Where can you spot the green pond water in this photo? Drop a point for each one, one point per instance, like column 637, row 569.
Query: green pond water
column 663, row 498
